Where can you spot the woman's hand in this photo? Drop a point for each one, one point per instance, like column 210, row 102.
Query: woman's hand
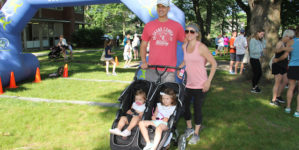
column 206, row 86
column 178, row 74
column 274, row 60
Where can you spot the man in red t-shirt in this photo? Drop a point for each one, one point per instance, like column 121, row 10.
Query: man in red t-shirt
column 162, row 35
column 232, row 52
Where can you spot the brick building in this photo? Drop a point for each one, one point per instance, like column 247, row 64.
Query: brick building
column 48, row 24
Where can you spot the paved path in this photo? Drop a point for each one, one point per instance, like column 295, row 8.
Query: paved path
column 37, row 54
column 221, row 65
column 32, row 99
column 95, row 80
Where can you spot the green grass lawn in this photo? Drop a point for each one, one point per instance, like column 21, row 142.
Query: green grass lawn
column 234, row 118
column 47, row 126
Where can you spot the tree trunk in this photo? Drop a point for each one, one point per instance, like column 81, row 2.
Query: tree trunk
column 209, row 19
column 200, row 21
column 271, row 28
column 264, row 14
column 246, row 8
column 259, row 10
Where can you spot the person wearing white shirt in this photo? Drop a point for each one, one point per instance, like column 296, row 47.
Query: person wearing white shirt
column 132, row 117
column 135, row 45
column 221, row 45
column 62, row 44
column 128, row 54
column 160, row 118
column 241, row 46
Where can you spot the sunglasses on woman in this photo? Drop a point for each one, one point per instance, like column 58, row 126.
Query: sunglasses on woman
column 189, row 31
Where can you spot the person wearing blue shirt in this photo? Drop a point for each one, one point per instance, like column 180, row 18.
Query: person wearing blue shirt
column 280, row 66
column 293, row 74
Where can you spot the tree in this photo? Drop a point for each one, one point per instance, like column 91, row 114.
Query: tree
column 289, row 14
column 115, row 19
column 264, row 14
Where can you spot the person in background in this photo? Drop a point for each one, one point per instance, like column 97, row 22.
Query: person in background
column 108, row 57
column 226, row 43
column 279, row 66
column 135, row 45
column 162, row 35
column 256, row 47
column 216, row 42
column 128, row 54
column 127, row 37
column 293, row 75
column 232, row 52
column 117, row 40
column 221, row 45
column 62, row 44
column 241, row 46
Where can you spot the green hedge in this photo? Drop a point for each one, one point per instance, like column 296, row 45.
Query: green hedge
column 89, row 38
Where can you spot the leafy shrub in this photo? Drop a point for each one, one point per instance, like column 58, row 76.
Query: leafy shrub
column 88, row 38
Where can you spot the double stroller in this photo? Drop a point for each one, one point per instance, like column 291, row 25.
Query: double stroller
column 135, row 141
column 55, row 52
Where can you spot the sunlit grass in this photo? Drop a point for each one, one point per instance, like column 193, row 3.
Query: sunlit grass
column 234, row 118
column 47, row 126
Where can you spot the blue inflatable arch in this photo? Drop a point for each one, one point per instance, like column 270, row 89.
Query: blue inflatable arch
column 15, row 14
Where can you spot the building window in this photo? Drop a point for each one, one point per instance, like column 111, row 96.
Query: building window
column 79, row 9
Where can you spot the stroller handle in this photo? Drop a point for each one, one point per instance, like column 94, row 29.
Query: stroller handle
column 156, row 68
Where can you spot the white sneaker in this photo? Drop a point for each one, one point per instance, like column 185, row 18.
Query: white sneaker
column 114, row 74
column 148, row 146
column 195, row 138
column 116, row 131
column 126, row 133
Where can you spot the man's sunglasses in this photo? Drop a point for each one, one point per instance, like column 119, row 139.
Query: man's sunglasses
column 189, row 31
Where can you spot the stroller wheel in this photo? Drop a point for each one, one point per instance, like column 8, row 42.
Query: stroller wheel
column 182, row 142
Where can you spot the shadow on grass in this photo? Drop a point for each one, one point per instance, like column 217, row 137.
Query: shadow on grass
column 82, row 63
column 108, row 115
column 112, row 94
column 234, row 118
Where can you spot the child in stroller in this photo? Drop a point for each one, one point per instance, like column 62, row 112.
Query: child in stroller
column 160, row 118
column 136, row 141
column 126, row 100
column 134, row 114
column 55, row 52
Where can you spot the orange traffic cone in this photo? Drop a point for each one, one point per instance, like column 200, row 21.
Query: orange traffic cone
column 1, row 89
column 116, row 61
column 12, row 84
column 37, row 76
column 65, row 71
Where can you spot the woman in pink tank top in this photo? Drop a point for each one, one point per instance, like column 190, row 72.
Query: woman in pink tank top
column 196, row 55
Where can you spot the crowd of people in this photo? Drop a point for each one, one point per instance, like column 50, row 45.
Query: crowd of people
column 162, row 51
column 159, row 43
column 159, row 40
column 284, row 64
